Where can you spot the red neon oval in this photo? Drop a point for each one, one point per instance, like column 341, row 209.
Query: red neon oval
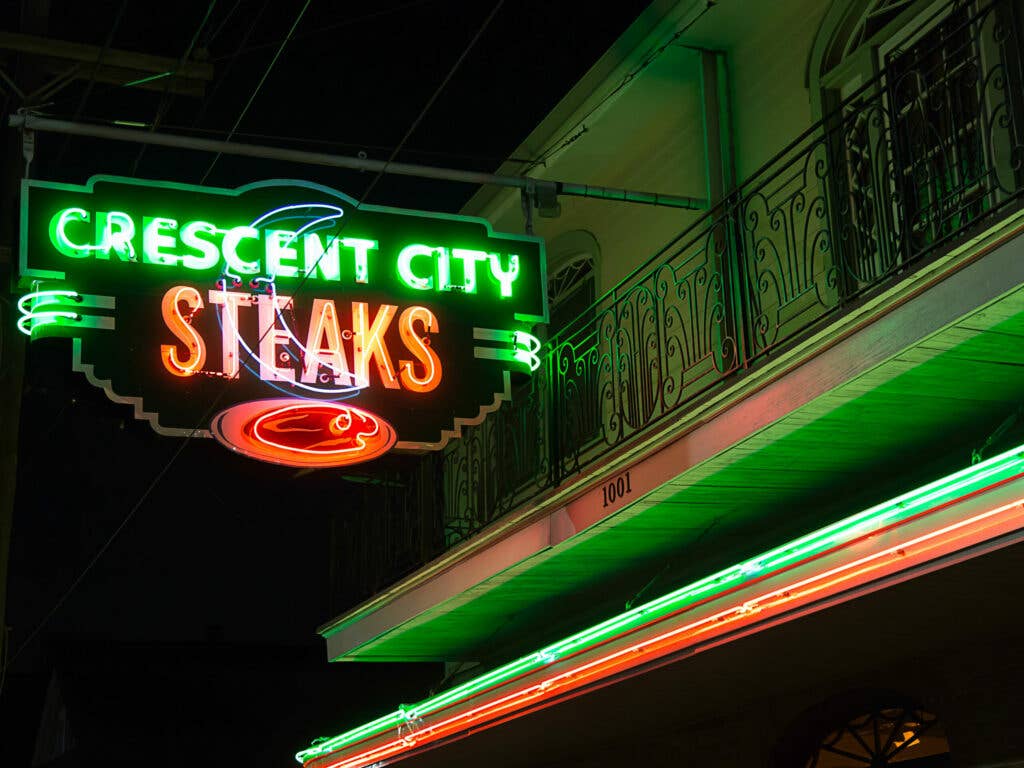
column 303, row 433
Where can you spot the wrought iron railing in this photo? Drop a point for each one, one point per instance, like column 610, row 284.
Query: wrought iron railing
column 920, row 158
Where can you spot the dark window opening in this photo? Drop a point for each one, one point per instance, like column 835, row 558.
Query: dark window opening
column 936, row 109
column 903, row 736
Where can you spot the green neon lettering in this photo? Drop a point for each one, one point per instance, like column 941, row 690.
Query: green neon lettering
column 232, row 238
column 324, row 262
column 282, row 258
column 115, row 230
column 444, row 269
column 154, row 239
column 201, row 245
column 59, row 237
column 190, row 239
column 410, row 278
column 503, row 276
column 360, row 249
column 469, row 259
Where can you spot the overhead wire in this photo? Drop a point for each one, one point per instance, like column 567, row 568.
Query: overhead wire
column 114, row 26
column 214, row 33
column 259, row 86
column 333, row 26
column 430, row 102
column 401, row 144
column 168, row 97
column 347, row 22
column 302, row 140
column 216, row 400
column 209, row 97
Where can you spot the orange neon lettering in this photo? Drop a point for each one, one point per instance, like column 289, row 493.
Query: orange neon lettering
column 368, row 343
column 420, row 348
column 229, row 328
column 182, row 328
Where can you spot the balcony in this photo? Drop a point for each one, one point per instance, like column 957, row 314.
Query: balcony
column 899, row 182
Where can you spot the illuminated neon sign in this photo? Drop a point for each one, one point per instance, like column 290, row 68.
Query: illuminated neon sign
column 327, row 333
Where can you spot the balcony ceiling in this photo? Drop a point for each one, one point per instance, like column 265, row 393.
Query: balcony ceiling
column 873, row 431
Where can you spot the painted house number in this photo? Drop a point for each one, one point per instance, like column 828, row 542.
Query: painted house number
column 616, row 489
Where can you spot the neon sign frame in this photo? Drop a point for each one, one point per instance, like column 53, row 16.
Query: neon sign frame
column 434, row 292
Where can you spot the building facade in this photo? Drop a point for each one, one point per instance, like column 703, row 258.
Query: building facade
column 761, row 503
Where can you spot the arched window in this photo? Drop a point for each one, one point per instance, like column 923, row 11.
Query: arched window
column 864, row 729
column 862, row 22
column 885, row 735
column 572, row 277
column 573, row 259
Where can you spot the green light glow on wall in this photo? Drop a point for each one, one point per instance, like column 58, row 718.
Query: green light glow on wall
column 998, row 469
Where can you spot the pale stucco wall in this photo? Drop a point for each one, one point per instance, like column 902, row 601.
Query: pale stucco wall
column 650, row 137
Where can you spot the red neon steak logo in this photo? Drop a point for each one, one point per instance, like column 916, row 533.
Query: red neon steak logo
column 302, row 433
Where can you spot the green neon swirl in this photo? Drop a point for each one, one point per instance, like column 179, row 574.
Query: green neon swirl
column 527, row 347
column 30, row 304
column 901, row 508
column 29, row 323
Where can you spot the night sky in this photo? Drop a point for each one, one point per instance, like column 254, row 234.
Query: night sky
column 227, row 552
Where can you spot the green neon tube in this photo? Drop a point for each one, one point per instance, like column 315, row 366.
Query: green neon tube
column 31, row 303
column 1001, row 468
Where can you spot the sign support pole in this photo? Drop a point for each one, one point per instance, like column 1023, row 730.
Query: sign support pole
column 31, row 122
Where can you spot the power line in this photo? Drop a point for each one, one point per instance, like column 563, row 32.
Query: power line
column 415, row 124
column 227, row 67
column 303, row 140
column 92, row 76
column 213, row 405
column 259, row 85
column 215, row 32
column 430, row 102
column 168, row 97
column 351, row 21
column 331, row 27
